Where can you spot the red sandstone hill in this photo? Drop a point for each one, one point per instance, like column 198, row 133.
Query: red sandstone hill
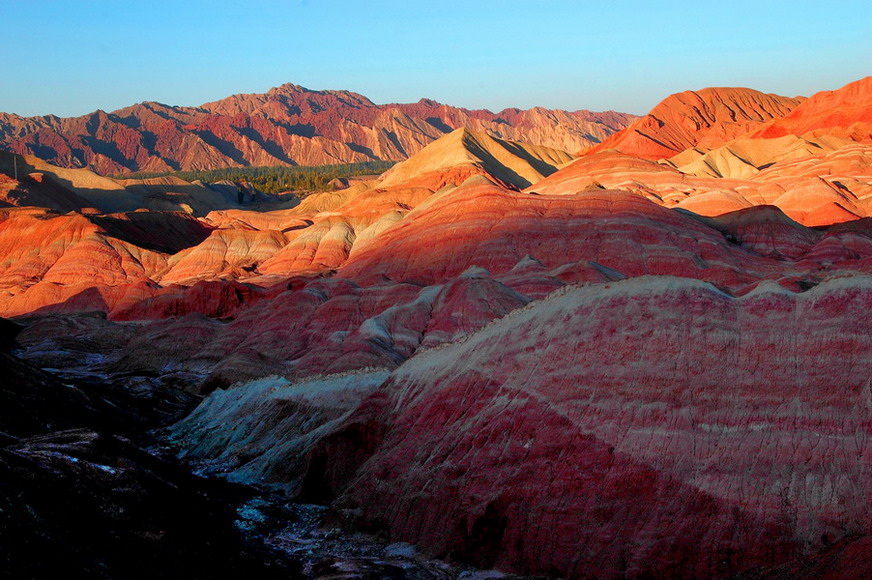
column 288, row 125
column 829, row 121
column 706, row 118
column 845, row 113
column 716, row 152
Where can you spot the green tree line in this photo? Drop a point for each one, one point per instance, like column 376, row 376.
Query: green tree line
column 277, row 179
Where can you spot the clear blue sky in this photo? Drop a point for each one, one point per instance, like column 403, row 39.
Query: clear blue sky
column 70, row 58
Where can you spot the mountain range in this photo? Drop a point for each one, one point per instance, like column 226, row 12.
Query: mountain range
column 288, row 125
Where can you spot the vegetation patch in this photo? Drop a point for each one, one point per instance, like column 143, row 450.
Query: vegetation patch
column 277, row 179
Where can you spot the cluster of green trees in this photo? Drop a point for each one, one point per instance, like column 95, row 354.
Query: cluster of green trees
column 277, row 179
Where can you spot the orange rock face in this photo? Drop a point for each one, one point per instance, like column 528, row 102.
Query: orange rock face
column 705, row 118
column 846, row 112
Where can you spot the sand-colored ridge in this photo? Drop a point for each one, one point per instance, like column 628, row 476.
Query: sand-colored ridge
column 517, row 164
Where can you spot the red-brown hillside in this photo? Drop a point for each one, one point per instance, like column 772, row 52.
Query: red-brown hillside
column 706, row 118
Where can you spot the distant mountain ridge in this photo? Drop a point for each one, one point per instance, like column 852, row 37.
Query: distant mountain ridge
column 288, row 125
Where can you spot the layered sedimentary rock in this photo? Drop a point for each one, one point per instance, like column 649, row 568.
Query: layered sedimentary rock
column 679, row 432
column 224, row 254
column 627, row 368
column 827, row 137
column 289, row 125
column 494, row 228
column 815, row 190
column 451, row 201
column 709, row 434
column 513, row 163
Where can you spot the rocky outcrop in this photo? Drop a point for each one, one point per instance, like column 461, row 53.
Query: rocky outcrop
column 638, row 403
column 628, row 369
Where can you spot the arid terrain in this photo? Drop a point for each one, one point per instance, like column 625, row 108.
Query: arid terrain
column 545, row 343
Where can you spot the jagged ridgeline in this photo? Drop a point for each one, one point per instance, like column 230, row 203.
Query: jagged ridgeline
column 276, row 179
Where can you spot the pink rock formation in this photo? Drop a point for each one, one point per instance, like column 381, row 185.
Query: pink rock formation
column 628, row 369
column 224, row 254
column 765, row 230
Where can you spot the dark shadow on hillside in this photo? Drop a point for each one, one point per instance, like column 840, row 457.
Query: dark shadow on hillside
column 107, row 149
column 517, row 150
column 361, row 149
column 88, row 300
column 226, row 148
column 271, row 147
column 167, row 232
column 439, row 124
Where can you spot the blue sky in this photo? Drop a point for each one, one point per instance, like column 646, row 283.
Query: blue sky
column 70, row 58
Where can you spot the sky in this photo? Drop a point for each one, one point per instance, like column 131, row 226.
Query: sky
column 70, row 58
